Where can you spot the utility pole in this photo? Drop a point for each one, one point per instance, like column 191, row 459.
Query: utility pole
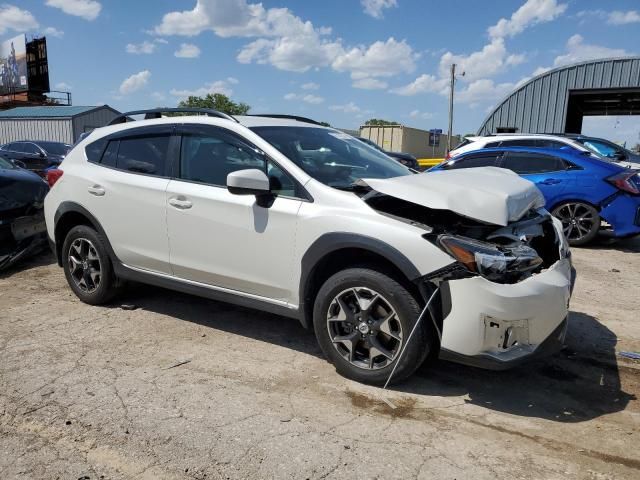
column 453, row 81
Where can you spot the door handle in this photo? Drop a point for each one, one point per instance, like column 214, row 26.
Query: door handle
column 96, row 190
column 180, row 203
column 550, row 181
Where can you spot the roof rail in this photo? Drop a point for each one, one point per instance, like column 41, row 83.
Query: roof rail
column 290, row 117
column 157, row 113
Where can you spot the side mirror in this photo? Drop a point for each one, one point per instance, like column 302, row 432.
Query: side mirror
column 248, row 182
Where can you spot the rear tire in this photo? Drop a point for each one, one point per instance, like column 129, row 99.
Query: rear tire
column 580, row 222
column 362, row 319
column 87, row 266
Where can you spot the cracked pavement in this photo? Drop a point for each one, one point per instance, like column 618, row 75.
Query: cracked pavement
column 187, row 388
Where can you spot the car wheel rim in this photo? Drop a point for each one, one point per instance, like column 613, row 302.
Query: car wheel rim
column 364, row 328
column 577, row 219
column 84, row 265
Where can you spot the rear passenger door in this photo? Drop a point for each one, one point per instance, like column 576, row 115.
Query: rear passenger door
column 550, row 174
column 124, row 187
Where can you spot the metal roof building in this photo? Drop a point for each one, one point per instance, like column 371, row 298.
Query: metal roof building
column 52, row 123
column 556, row 101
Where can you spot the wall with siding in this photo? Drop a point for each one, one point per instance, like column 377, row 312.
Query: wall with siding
column 398, row 138
column 540, row 105
column 56, row 130
column 92, row 120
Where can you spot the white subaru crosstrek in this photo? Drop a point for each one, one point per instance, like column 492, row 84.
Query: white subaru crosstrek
column 389, row 267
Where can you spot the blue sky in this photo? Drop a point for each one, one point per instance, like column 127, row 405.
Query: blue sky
column 341, row 61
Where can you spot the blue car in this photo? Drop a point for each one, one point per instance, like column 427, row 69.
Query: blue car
column 587, row 194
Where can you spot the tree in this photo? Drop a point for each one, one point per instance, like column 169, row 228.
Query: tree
column 216, row 101
column 325, row 124
column 377, row 122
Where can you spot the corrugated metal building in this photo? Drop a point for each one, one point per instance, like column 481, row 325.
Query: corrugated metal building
column 557, row 100
column 52, row 123
column 400, row 138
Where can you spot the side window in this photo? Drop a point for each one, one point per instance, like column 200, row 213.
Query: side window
column 477, row 160
column 144, row 154
column 30, row 148
column 208, row 157
column 280, row 182
column 492, row 145
column 523, row 142
column 110, row 156
column 94, row 150
column 529, row 163
column 543, row 143
column 17, row 147
column 601, row 148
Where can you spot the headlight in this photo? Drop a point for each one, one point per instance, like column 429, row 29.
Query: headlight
column 495, row 262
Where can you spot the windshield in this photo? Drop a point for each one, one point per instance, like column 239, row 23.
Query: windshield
column 55, row 148
column 7, row 165
column 331, row 157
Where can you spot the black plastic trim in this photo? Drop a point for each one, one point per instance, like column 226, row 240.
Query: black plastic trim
column 331, row 242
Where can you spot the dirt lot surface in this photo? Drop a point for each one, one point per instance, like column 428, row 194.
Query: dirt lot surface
column 93, row 392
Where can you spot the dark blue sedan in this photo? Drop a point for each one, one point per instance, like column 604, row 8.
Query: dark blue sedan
column 587, row 194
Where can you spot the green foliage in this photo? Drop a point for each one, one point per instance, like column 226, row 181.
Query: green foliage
column 377, row 122
column 216, row 101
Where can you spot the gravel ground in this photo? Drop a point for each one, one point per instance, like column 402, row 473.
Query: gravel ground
column 182, row 387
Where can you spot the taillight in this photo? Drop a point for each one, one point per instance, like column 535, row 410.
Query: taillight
column 53, row 176
column 627, row 182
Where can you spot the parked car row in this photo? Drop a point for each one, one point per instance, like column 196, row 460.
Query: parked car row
column 36, row 156
column 588, row 192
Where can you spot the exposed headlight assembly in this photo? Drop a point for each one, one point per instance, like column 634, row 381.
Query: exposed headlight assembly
column 498, row 263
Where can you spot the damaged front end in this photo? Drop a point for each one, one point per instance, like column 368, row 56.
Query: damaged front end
column 505, row 296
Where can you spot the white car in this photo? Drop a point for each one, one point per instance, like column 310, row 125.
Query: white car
column 532, row 140
column 388, row 267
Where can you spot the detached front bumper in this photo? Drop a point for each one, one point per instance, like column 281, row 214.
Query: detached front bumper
column 498, row 326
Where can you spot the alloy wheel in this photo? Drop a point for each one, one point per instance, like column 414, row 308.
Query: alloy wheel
column 84, row 265
column 578, row 220
column 364, row 328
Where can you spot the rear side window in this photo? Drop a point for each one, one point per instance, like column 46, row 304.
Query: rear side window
column 143, row 154
column 110, row 155
column 530, row 163
column 519, row 143
column 543, row 143
column 31, row 149
column 94, row 150
column 476, row 160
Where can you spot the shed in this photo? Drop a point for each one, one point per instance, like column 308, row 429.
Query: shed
column 556, row 101
column 400, row 138
column 52, row 123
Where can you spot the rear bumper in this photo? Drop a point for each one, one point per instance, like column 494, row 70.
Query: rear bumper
column 498, row 326
column 623, row 214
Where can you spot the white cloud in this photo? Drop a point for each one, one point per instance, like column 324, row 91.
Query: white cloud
column 515, row 59
column 530, row 13
column 370, row 84
column 62, row 86
column 540, row 71
column 422, row 115
column 285, row 41
column 308, row 98
column 487, row 62
column 346, row 108
column 310, row 86
column 87, row 9
column 578, row 51
column 14, row 18
column 374, row 8
column 135, row 82
column 158, row 96
column 53, row 32
column 482, row 91
column 623, row 18
column 187, row 50
column 219, row 86
column 233, row 80
column 380, row 59
column 425, row 83
column 160, row 40
column 144, row 48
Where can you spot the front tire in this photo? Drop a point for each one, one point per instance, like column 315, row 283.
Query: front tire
column 362, row 319
column 87, row 266
column 580, row 222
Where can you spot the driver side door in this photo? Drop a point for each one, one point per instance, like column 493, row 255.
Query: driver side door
column 225, row 240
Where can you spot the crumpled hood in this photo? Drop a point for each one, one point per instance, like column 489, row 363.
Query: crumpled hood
column 488, row 194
